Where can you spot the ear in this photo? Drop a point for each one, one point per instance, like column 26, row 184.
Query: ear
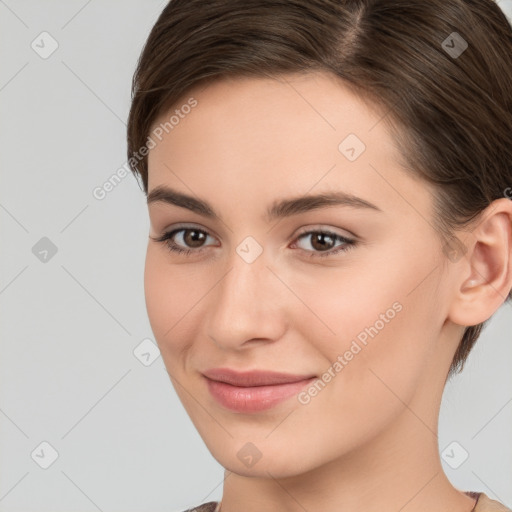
column 484, row 276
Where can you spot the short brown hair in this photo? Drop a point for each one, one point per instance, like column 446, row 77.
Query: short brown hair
column 451, row 114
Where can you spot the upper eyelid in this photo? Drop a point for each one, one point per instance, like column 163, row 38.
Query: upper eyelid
column 332, row 231
column 179, row 227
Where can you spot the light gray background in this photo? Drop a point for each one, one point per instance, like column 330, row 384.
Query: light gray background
column 70, row 325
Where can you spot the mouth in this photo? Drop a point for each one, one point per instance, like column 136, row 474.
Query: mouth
column 255, row 390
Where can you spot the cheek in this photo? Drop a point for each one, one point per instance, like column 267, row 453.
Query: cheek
column 375, row 361
column 373, row 323
column 171, row 292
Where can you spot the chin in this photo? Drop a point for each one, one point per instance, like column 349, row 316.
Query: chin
column 260, row 458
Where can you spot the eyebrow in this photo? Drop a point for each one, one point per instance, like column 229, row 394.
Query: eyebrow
column 278, row 209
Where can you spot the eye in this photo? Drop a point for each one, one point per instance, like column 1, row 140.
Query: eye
column 191, row 240
column 323, row 241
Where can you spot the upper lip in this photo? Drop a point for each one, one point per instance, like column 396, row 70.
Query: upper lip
column 253, row 377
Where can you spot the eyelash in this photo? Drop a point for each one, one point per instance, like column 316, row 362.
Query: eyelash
column 348, row 242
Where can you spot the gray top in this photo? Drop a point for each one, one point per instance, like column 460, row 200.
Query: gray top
column 483, row 504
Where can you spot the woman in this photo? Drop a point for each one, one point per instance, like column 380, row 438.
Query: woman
column 328, row 185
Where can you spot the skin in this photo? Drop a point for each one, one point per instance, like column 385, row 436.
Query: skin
column 367, row 441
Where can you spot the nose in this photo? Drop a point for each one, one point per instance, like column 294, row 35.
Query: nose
column 247, row 306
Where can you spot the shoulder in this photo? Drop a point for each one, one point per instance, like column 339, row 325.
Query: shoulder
column 211, row 506
column 486, row 504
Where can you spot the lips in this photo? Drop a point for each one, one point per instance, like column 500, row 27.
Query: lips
column 253, row 377
column 253, row 391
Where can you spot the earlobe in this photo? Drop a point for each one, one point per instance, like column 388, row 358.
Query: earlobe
column 486, row 268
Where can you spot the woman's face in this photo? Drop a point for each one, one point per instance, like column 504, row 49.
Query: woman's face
column 351, row 291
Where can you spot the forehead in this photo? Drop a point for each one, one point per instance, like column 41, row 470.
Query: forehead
column 249, row 138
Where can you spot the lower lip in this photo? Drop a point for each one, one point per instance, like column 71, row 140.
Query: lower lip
column 256, row 398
